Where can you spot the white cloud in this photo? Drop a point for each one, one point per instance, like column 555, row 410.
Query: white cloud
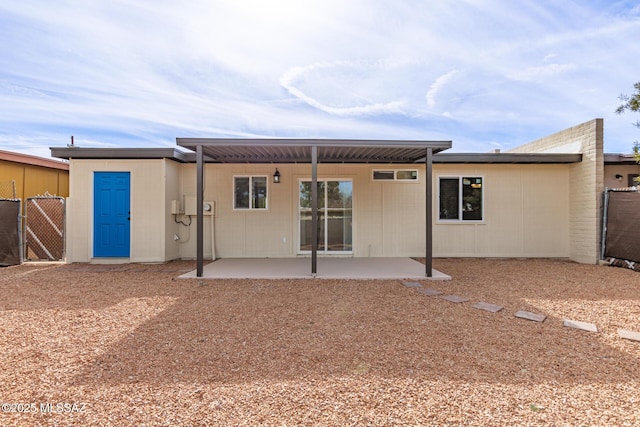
column 438, row 85
column 345, row 92
column 478, row 72
column 540, row 72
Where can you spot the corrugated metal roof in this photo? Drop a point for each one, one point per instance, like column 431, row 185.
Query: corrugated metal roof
column 27, row 159
column 225, row 150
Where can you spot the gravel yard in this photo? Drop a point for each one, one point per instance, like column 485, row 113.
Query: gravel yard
column 134, row 345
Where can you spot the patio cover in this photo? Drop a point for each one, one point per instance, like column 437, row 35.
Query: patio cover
column 313, row 151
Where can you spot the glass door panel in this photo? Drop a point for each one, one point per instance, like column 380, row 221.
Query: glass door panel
column 305, row 215
column 335, row 219
column 339, row 218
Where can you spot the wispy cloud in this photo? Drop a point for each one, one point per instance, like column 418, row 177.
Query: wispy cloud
column 438, row 85
column 540, row 72
column 480, row 72
column 344, row 85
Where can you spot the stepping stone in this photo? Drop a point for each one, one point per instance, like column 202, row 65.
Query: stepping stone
column 412, row 284
column 430, row 292
column 536, row 317
column 455, row 298
column 584, row 326
column 494, row 308
column 629, row 335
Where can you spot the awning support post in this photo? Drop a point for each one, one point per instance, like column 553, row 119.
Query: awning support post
column 199, row 210
column 314, row 211
column 429, row 212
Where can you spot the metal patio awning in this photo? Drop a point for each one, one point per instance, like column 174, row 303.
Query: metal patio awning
column 225, row 150
column 313, row 151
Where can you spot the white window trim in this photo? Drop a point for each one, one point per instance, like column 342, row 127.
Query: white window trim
column 233, row 193
column 460, row 220
column 395, row 175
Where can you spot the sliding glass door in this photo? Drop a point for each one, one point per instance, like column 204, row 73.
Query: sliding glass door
column 335, row 216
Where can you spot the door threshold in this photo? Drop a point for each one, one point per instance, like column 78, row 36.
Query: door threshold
column 107, row 260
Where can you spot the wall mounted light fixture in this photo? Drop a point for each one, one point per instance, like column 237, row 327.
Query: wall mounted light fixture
column 276, row 177
column 619, row 177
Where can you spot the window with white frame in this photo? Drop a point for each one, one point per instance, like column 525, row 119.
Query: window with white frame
column 250, row 192
column 461, row 198
column 395, row 175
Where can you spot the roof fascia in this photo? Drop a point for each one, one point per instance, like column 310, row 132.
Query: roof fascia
column 119, row 153
column 266, row 142
column 27, row 159
column 518, row 158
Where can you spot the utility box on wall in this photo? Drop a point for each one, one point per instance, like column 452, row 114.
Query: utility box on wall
column 176, row 208
column 190, row 207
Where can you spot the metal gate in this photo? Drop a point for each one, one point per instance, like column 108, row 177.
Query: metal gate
column 10, row 235
column 620, row 231
column 44, row 228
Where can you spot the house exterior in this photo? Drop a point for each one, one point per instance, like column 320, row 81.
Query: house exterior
column 620, row 170
column 542, row 199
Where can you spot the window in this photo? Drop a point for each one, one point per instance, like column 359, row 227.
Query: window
column 632, row 177
column 461, row 199
column 250, row 192
column 395, row 175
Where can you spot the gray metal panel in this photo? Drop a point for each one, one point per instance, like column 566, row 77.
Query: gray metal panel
column 225, row 150
column 291, row 142
column 353, row 151
column 121, row 153
column 522, row 158
column 619, row 159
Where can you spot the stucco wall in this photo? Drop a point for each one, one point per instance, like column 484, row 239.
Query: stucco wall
column 148, row 208
column 586, row 184
column 171, row 179
column 526, row 213
column 388, row 218
column 610, row 172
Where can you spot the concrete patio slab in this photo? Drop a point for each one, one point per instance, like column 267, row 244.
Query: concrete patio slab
column 535, row 317
column 584, row 326
column 328, row 268
column 487, row 306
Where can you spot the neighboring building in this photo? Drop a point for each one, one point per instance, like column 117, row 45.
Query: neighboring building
column 140, row 205
column 620, row 170
column 40, row 236
column 33, row 176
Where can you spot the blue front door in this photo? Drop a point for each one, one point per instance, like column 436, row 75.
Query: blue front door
column 111, row 214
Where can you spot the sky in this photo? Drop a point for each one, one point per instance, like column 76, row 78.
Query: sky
column 484, row 74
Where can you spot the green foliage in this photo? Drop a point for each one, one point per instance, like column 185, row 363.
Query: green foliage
column 632, row 103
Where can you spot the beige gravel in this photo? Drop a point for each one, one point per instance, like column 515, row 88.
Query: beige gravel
column 133, row 345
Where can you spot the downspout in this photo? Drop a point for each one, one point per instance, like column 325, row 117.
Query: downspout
column 605, row 209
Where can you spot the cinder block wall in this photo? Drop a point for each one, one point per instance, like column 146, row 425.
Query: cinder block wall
column 586, row 184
